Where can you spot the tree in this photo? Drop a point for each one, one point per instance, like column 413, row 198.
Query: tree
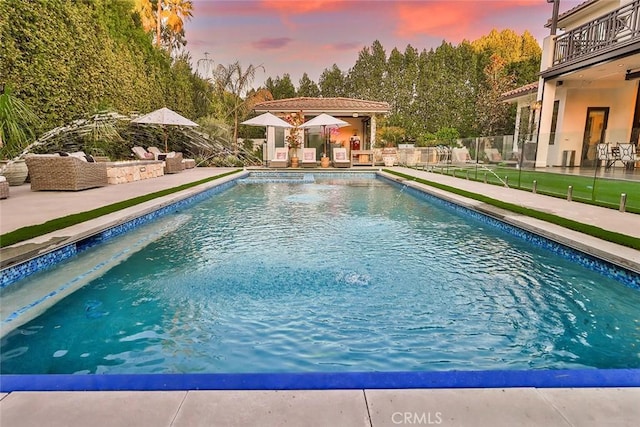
column 176, row 12
column 167, row 19
column 146, row 12
column 307, row 87
column 281, row 87
column 365, row 78
column 231, row 82
column 332, row 82
column 493, row 116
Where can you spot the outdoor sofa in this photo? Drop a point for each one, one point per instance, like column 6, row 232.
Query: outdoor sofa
column 65, row 173
column 4, row 187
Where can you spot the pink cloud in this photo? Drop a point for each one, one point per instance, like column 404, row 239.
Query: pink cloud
column 303, row 7
column 439, row 18
column 348, row 46
column 271, row 43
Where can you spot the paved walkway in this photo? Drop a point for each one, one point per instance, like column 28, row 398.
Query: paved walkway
column 447, row 407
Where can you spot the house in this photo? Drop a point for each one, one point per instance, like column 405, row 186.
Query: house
column 588, row 91
column 360, row 114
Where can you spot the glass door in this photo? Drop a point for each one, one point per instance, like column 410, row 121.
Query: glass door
column 594, row 132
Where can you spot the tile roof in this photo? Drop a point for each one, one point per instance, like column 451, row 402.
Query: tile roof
column 322, row 105
column 519, row 91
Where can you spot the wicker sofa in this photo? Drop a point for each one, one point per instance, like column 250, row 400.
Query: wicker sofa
column 53, row 172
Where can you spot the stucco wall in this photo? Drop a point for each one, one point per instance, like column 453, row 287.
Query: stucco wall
column 574, row 101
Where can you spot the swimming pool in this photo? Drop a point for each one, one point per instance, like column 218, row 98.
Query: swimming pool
column 352, row 290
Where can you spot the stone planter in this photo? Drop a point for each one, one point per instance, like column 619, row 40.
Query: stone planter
column 295, row 162
column 16, row 172
column 389, row 156
column 389, row 161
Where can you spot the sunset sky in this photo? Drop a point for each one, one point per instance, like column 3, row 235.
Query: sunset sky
column 299, row 36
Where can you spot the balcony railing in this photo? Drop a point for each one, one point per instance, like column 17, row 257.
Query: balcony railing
column 617, row 27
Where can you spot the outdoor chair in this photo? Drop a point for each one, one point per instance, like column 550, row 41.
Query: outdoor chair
column 443, row 153
column 309, row 158
column 65, row 173
column 4, row 187
column 173, row 162
column 340, row 159
column 603, row 154
column 627, row 154
column 280, row 158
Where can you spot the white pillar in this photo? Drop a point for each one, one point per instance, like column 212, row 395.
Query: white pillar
column 271, row 142
column 546, row 95
column 372, row 143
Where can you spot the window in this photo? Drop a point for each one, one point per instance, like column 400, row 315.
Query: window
column 554, row 122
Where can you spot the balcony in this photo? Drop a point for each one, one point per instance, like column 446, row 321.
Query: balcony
column 608, row 34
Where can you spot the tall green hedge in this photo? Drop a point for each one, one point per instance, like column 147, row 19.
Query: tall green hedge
column 67, row 58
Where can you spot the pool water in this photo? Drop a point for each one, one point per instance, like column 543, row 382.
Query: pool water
column 334, row 275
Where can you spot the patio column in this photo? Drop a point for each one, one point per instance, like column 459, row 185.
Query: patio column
column 271, row 142
column 372, row 142
column 546, row 94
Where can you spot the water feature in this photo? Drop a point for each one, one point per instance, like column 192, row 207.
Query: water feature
column 330, row 276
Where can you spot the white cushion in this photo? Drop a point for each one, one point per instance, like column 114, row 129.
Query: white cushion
column 79, row 154
column 3, row 178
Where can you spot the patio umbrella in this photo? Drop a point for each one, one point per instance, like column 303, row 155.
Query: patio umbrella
column 267, row 119
column 164, row 116
column 324, row 120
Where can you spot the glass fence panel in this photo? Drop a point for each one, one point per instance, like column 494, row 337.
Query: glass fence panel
column 596, row 170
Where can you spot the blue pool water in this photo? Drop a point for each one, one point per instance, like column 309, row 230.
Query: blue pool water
column 343, row 275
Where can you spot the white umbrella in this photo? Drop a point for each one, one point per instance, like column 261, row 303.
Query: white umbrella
column 324, row 120
column 164, row 116
column 267, row 119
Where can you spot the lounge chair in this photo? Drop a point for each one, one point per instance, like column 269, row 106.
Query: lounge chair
column 461, row 155
column 494, row 156
column 280, row 158
column 142, row 154
column 309, row 158
column 340, row 159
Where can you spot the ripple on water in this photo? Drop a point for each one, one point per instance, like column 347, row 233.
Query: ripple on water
column 329, row 277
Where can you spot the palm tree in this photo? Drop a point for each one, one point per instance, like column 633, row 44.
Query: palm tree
column 231, row 82
column 176, row 12
column 172, row 12
column 147, row 17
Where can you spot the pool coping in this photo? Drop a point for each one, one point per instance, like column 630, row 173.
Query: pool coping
column 610, row 252
column 331, row 380
column 564, row 378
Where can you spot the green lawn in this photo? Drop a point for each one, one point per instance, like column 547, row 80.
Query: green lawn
column 611, row 236
column 606, row 192
column 32, row 231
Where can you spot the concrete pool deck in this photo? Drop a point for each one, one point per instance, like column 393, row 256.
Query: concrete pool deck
column 368, row 407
